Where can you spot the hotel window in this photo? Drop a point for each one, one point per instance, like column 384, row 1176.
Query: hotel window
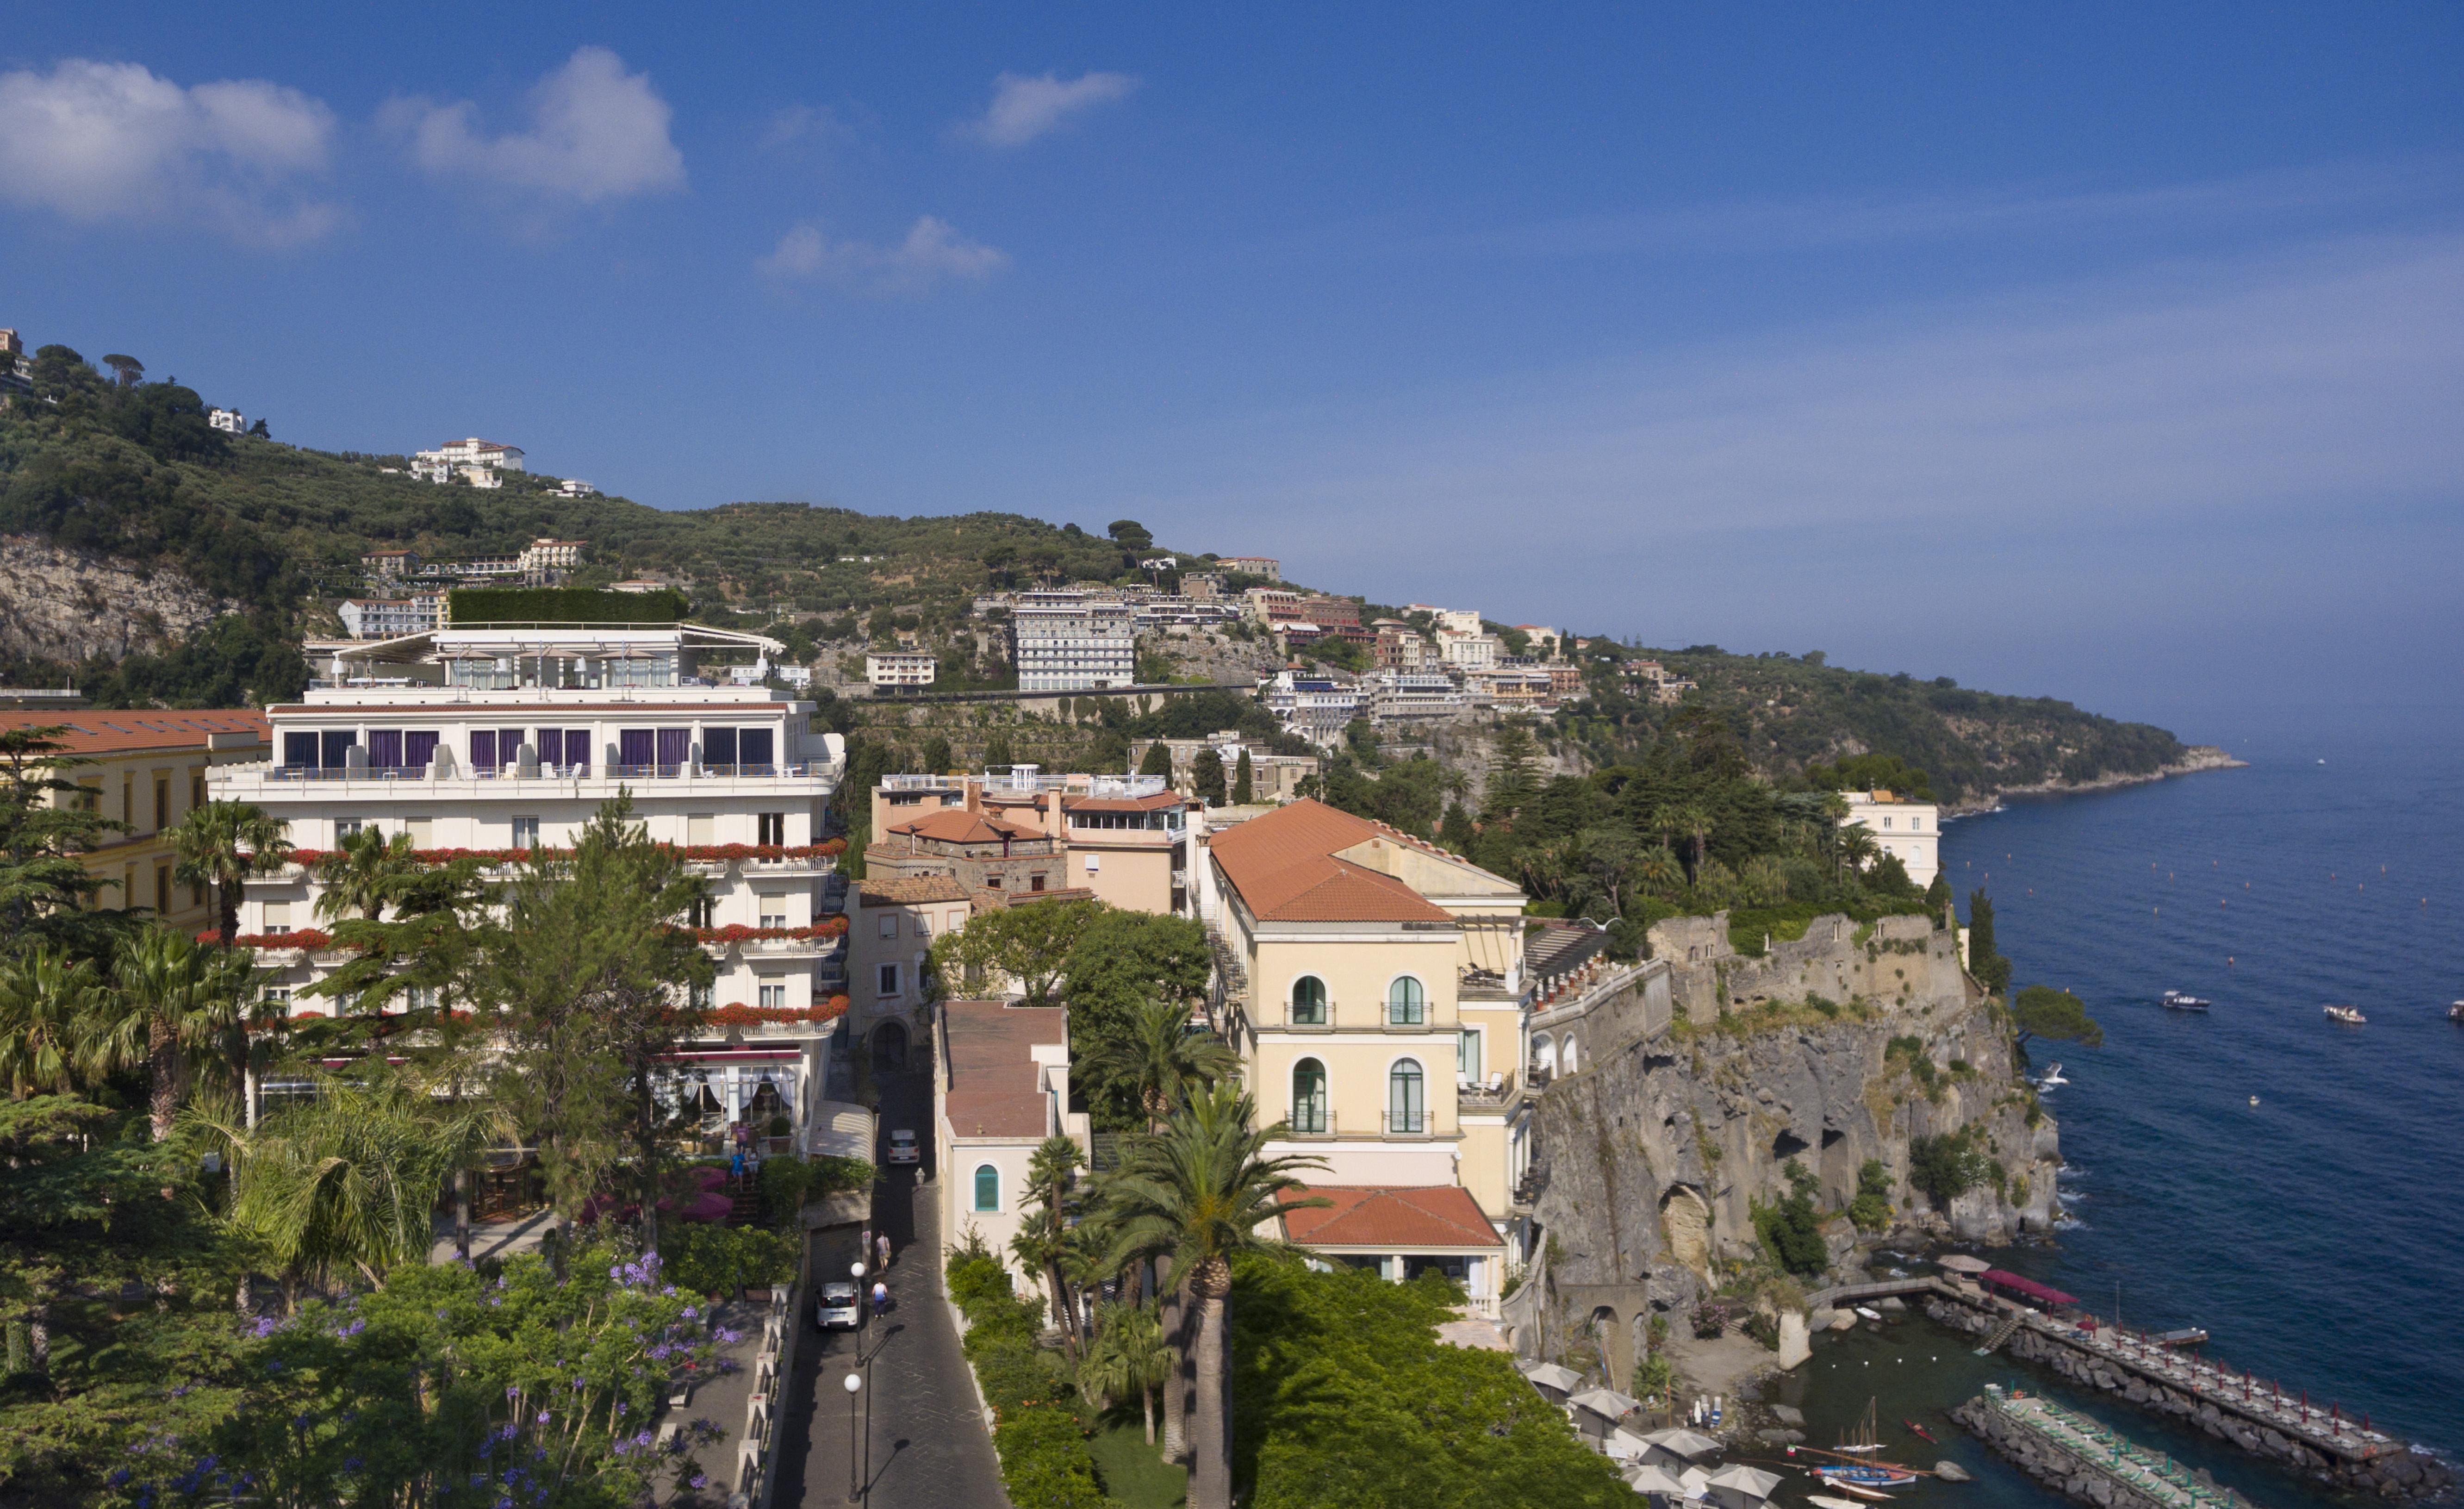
column 703, row 996
column 1406, row 1003
column 196, row 789
column 770, row 828
column 702, row 911
column 1309, row 1001
column 347, row 828
column 1886, row 822
column 1467, row 1056
column 422, row 832
column 987, row 1188
column 1309, row 1097
column 923, row 924
column 278, row 998
column 890, row 924
column 526, row 833
column 1035, row 882
column 774, row 994
column 888, row 980
column 1406, row 1101
column 163, row 887
column 773, row 918
column 701, row 827
column 277, row 917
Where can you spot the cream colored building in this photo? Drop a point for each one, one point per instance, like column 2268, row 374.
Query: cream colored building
column 1376, row 998
column 1122, row 838
column 1902, row 826
column 1000, row 1086
column 892, row 925
column 147, row 769
column 896, row 668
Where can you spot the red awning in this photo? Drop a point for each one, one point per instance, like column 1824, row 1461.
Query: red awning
column 2033, row 1290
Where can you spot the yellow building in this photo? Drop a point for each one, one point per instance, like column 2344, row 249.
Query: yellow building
column 146, row 769
column 1368, row 972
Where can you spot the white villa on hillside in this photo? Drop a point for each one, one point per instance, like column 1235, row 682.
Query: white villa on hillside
column 1902, row 826
column 509, row 739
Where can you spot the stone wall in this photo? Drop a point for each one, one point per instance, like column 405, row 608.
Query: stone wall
column 1901, row 960
column 2398, row 1476
column 2049, row 1464
column 59, row 603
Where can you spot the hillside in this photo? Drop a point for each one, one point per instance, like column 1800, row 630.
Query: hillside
column 157, row 560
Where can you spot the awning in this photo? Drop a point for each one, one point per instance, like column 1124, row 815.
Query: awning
column 2041, row 1293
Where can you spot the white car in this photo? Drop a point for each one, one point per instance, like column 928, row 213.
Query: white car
column 838, row 1309
column 903, row 1149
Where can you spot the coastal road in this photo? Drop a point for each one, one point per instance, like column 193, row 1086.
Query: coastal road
column 928, row 1445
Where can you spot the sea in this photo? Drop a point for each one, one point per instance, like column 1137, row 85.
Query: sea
column 2293, row 1186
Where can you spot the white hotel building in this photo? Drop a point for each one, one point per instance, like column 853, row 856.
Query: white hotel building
column 1900, row 826
column 511, row 738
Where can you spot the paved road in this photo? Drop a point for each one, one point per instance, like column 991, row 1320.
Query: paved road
column 927, row 1444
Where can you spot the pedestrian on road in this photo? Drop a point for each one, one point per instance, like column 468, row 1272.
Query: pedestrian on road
column 880, row 1301
column 884, row 1249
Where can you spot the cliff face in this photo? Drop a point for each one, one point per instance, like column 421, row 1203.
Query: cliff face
column 61, row 603
column 1657, row 1149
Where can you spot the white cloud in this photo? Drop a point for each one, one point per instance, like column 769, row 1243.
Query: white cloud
column 115, row 141
column 596, row 133
column 1025, row 108
column 931, row 254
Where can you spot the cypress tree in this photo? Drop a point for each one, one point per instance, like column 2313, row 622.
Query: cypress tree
column 1241, row 781
column 1206, row 778
column 1984, row 961
column 1156, row 761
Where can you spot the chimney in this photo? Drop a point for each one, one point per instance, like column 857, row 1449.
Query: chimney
column 1052, row 823
column 975, row 785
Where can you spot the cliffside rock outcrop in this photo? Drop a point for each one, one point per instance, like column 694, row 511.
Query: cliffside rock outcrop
column 63, row 604
column 1657, row 1148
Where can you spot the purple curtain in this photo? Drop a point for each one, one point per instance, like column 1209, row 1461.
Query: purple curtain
column 508, row 746
column 633, row 747
column 753, row 747
column 385, row 748
column 577, row 748
column 418, row 748
column 719, row 746
column 483, row 749
column 675, row 746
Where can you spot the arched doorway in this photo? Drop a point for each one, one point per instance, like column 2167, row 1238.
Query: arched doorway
column 889, row 1048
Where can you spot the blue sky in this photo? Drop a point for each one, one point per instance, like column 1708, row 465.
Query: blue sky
column 2108, row 352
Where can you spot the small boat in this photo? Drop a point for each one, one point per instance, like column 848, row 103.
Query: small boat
column 1921, row 1431
column 2455, row 1011
column 2183, row 1001
column 1852, row 1488
column 2349, row 1015
column 1856, row 1476
column 1823, row 1501
column 2053, row 1076
column 1869, row 1314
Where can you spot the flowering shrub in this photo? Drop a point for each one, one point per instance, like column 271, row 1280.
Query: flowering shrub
column 304, row 937
column 739, row 933
column 827, row 848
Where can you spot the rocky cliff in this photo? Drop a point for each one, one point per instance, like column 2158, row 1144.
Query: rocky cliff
column 67, row 605
column 1830, row 1051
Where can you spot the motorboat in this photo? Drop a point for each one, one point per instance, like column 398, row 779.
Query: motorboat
column 2349, row 1015
column 1868, row 1312
column 1821, row 1502
column 2053, row 1076
column 2183, row 1001
column 2455, row 1010
column 1867, row 1476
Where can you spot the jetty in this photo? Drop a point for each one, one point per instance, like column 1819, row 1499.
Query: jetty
column 2072, row 1454
column 2322, row 1441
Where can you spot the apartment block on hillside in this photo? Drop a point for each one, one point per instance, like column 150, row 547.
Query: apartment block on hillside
column 1072, row 642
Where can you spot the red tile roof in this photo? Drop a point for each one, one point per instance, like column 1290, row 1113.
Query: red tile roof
column 84, row 731
column 1283, row 866
column 907, row 890
column 953, row 824
column 995, row 1083
column 1390, row 1218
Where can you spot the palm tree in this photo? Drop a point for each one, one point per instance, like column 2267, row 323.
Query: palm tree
column 1128, row 1355
column 1695, row 820
column 346, row 1181
column 171, row 998
column 221, row 844
column 45, row 1001
column 1199, row 1190
column 1043, row 1237
column 1658, row 871
column 1157, row 1061
column 365, row 876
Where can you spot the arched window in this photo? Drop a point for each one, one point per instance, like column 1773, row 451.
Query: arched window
column 1407, row 1005
column 1544, row 1052
column 1309, row 1097
column 987, row 1188
column 1309, row 1001
column 1406, row 1099
column 1566, row 1054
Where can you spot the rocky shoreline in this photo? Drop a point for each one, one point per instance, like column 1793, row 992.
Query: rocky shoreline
column 2049, row 1464
column 2199, row 757
column 2401, row 1475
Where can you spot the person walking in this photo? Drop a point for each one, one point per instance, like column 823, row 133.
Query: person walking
column 880, row 1301
column 736, row 1166
column 882, row 1250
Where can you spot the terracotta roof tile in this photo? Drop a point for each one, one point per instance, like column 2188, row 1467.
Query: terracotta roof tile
column 952, row 825
column 86, row 731
column 995, row 1083
column 906, row 890
column 1283, row 866
column 1390, row 1218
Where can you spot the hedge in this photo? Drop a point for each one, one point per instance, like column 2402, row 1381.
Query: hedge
column 466, row 606
column 1045, row 1460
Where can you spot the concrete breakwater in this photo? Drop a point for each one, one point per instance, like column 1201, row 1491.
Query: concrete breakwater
column 2075, row 1456
column 2343, row 1458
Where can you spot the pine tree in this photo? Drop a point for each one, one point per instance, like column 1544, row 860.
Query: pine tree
column 1984, row 961
column 1513, row 773
column 1242, row 786
column 1156, row 761
column 1206, row 778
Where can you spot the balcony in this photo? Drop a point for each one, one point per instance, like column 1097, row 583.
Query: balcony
column 260, row 783
column 1293, row 1022
column 1499, row 1093
column 791, row 865
column 1414, row 1129
column 1324, row 1133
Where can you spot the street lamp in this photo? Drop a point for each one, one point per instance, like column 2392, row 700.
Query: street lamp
column 855, row 1482
column 862, row 1303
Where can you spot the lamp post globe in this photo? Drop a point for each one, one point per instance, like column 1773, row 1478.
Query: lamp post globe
column 854, row 1382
